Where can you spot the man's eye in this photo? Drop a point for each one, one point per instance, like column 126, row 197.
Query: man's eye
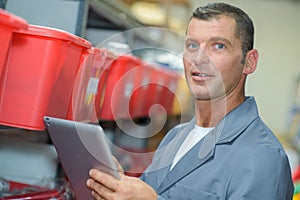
column 219, row 46
column 192, row 46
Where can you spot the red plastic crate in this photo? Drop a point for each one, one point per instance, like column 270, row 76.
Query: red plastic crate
column 77, row 100
column 119, row 87
column 8, row 23
column 102, row 84
column 161, row 90
column 39, row 76
column 155, row 89
column 140, row 94
column 83, row 104
column 11, row 190
column 168, row 90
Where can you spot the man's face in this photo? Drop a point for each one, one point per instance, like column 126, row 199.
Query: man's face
column 212, row 58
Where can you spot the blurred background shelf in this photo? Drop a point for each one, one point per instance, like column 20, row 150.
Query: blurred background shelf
column 23, row 135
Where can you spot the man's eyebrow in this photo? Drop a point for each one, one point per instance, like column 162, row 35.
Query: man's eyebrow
column 214, row 39
column 190, row 39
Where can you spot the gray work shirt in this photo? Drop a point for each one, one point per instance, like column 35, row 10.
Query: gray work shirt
column 240, row 159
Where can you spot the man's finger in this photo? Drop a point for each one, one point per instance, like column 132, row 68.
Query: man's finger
column 99, row 191
column 105, row 179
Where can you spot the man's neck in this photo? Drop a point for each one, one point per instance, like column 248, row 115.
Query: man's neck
column 210, row 112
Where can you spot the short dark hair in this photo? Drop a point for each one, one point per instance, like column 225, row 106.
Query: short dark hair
column 244, row 25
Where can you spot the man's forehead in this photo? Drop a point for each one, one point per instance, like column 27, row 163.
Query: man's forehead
column 220, row 20
column 221, row 26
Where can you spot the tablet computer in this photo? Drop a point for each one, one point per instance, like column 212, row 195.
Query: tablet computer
column 80, row 147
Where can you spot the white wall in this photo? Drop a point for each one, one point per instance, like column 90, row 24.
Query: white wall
column 277, row 37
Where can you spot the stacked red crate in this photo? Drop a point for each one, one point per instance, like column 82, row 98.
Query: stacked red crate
column 8, row 23
column 39, row 76
column 94, row 68
column 119, row 87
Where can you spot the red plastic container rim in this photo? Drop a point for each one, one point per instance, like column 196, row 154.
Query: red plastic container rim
column 12, row 20
column 108, row 56
column 49, row 32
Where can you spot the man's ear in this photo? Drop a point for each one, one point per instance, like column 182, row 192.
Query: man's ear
column 251, row 61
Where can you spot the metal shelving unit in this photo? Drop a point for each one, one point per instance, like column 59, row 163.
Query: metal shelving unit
column 24, row 135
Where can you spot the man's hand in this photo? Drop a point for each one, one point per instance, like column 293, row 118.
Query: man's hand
column 104, row 186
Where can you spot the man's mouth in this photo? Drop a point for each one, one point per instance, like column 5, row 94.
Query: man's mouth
column 200, row 74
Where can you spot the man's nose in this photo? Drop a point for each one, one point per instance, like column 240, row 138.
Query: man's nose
column 201, row 57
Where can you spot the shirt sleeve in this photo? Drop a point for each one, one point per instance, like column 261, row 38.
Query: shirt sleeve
column 263, row 174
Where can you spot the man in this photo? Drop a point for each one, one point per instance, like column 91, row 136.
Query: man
column 226, row 151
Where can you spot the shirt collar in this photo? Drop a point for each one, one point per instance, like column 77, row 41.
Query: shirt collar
column 230, row 127
column 237, row 120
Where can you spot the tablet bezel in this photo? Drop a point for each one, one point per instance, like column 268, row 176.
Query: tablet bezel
column 77, row 147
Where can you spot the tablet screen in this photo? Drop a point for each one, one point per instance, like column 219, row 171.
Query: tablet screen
column 80, row 147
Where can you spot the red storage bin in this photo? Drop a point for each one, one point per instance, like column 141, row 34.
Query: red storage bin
column 140, row 93
column 94, row 67
column 100, row 97
column 119, row 87
column 77, row 100
column 168, row 90
column 11, row 190
column 155, row 89
column 162, row 90
column 8, row 23
column 39, row 76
